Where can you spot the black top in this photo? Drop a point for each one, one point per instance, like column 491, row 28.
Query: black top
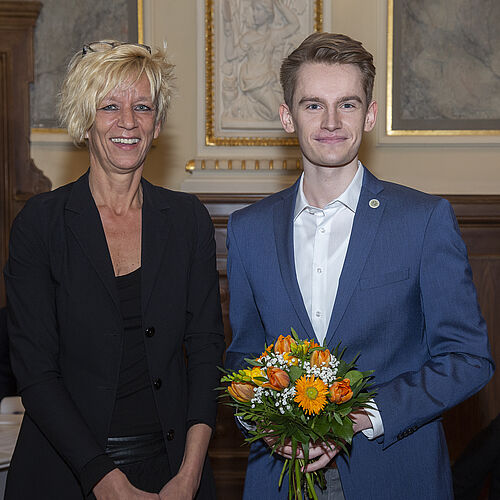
column 135, row 410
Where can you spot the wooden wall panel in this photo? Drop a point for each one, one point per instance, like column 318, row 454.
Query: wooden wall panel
column 479, row 220
column 19, row 177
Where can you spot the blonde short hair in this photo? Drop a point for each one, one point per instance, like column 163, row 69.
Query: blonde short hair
column 93, row 73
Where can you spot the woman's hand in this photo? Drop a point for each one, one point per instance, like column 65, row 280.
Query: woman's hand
column 179, row 488
column 115, row 486
column 184, row 485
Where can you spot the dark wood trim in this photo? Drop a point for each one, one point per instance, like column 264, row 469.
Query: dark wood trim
column 19, row 177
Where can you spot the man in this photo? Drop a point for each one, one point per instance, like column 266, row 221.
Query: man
column 343, row 257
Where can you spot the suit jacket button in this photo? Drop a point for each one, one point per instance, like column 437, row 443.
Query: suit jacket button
column 150, row 331
column 157, row 383
column 170, row 435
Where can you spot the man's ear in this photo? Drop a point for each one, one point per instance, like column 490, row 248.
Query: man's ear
column 371, row 116
column 286, row 119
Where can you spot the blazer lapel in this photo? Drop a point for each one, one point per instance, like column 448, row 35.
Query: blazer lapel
column 156, row 225
column 364, row 229
column 283, row 232
column 83, row 219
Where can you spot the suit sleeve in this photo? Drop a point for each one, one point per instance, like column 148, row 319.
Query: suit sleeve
column 459, row 361
column 204, row 336
column 34, row 344
column 248, row 331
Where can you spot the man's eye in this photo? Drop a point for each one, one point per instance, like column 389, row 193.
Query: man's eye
column 313, row 106
column 348, row 105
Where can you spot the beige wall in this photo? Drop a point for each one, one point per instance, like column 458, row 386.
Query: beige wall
column 455, row 168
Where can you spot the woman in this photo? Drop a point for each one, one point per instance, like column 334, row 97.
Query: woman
column 115, row 319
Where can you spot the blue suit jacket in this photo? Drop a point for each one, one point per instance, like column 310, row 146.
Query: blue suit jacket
column 405, row 301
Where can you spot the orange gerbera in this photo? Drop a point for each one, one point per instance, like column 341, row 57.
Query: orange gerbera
column 311, row 394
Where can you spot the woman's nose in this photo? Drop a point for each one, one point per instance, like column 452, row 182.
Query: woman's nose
column 127, row 118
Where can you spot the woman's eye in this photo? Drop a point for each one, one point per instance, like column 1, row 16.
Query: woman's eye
column 110, row 107
column 142, row 107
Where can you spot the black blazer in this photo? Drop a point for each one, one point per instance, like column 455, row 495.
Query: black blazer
column 66, row 330
column 7, row 379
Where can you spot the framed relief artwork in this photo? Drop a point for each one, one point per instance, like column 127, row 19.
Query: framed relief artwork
column 62, row 29
column 245, row 42
column 443, row 68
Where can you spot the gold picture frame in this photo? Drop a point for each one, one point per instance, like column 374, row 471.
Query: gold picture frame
column 215, row 134
column 396, row 123
column 134, row 21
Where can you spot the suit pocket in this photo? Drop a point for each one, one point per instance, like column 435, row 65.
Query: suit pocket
column 384, row 279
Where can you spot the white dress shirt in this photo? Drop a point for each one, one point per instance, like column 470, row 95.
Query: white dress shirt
column 320, row 240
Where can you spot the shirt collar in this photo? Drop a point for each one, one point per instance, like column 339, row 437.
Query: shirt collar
column 349, row 197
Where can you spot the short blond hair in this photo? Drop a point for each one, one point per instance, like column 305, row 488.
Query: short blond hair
column 91, row 75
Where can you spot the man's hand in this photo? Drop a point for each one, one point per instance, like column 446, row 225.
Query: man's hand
column 115, row 486
column 361, row 421
column 324, row 453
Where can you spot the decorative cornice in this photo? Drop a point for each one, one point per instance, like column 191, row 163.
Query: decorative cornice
column 14, row 14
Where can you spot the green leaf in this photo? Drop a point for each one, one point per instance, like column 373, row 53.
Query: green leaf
column 354, row 376
column 295, row 373
column 343, row 430
column 254, row 362
column 294, row 334
column 322, row 426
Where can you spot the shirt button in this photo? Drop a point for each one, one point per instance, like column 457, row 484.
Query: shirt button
column 319, row 270
column 322, row 229
column 318, row 314
column 157, row 383
column 170, row 435
column 149, row 332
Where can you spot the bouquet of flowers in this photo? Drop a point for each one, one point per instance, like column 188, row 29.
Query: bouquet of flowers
column 299, row 392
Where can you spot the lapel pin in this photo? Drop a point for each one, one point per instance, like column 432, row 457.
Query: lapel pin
column 374, row 203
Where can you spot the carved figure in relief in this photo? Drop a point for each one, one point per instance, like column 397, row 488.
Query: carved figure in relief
column 254, row 36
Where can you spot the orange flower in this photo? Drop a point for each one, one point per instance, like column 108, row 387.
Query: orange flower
column 284, row 344
column 340, row 391
column 310, row 344
column 320, row 357
column 268, row 350
column 305, row 346
column 278, row 379
column 240, row 391
column 311, row 394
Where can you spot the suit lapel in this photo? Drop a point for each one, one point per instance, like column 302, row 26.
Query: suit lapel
column 156, row 225
column 283, row 232
column 84, row 221
column 364, row 229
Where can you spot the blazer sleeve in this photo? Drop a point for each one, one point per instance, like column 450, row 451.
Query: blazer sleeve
column 34, row 343
column 204, row 336
column 248, row 330
column 455, row 333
